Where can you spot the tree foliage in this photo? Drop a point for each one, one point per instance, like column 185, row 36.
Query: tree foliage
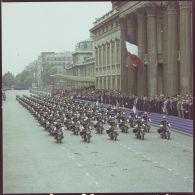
column 24, row 79
column 8, row 79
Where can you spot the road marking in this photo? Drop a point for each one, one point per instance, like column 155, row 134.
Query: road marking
column 79, row 165
column 87, row 174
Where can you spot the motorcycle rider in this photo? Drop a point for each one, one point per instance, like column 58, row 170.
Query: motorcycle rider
column 164, row 124
column 146, row 119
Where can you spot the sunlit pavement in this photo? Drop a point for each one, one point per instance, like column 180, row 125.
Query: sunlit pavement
column 33, row 162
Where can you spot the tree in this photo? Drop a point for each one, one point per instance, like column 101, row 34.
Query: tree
column 24, row 79
column 8, row 79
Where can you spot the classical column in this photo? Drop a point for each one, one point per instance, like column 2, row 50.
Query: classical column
column 131, row 70
column 116, row 88
column 111, row 53
column 111, row 83
column 99, row 56
column 115, row 52
column 152, row 50
column 141, row 40
column 105, row 83
column 172, row 50
column 164, row 48
column 123, row 55
column 96, row 56
column 102, row 55
column 160, row 12
column 106, row 87
column 185, row 47
column 106, row 55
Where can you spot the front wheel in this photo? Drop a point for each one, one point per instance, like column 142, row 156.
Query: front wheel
column 168, row 135
column 142, row 136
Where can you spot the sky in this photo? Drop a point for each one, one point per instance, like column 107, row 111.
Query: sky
column 31, row 28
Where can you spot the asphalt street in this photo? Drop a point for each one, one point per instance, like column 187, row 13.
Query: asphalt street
column 33, row 162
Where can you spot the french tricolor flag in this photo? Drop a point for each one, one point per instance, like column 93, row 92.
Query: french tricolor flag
column 132, row 50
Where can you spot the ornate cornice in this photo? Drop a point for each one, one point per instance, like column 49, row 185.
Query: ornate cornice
column 172, row 6
column 140, row 12
column 150, row 8
column 185, row 4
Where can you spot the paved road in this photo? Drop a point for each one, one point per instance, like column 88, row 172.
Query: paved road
column 33, row 162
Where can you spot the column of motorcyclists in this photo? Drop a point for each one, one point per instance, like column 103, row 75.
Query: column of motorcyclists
column 57, row 114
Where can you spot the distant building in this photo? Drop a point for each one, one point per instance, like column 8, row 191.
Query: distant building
column 59, row 61
column 83, row 64
column 106, row 33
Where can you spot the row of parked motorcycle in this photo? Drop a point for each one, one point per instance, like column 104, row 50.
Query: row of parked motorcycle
column 57, row 114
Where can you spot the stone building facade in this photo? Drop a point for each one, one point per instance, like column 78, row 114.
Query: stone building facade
column 82, row 65
column 106, row 34
column 163, row 33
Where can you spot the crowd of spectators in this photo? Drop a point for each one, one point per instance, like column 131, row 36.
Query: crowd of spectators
column 178, row 105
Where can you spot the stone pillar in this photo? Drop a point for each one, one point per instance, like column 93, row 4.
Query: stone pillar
column 141, row 40
column 111, row 53
column 164, row 48
column 102, row 55
column 106, row 87
column 96, row 56
column 123, row 56
column 116, row 86
column 115, row 52
column 99, row 57
column 131, row 70
column 152, row 50
column 160, row 86
column 172, row 50
column 100, row 78
column 111, row 82
column 185, row 47
column 105, row 83
column 106, row 55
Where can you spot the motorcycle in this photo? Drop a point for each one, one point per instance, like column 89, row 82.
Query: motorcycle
column 123, row 127
column 86, row 135
column 164, row 132
column 147, row 128
column 139, row 132
column 76, row 129
column 99, row 128
column 112, row 134
column 59, row 138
